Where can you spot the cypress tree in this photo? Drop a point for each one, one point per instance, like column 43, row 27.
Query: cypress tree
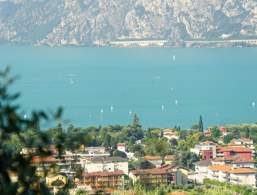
column 201, row 124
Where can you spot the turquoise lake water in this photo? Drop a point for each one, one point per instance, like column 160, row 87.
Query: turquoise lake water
column 99, row 86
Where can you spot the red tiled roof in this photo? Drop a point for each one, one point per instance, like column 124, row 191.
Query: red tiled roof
column 40, row 159
column 233, row 159
column 242, row 170
column 121, row 144
column 223, row 168
column 152, row 158
column 229, row 169
column 169, row 157
column 103, row 174
column 220, row 159
column 170, row 133
column 169, row 130
column 239, row 160
column 237, row 149
column 178, row 193
column 161, row 170
column 208, row 143
column 223, row 129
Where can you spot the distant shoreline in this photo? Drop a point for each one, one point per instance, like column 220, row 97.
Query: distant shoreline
column 149, row 43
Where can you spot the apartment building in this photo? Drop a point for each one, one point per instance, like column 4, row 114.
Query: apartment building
column 227, row 173
column 154, row 177
column 105, row 164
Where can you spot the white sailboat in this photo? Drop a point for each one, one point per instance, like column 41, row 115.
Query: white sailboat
column 253, row 104
column 162, row 107
column 174, row 58
column 72, row 81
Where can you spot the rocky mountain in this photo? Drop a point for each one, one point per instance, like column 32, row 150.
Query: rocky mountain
column 86, row 22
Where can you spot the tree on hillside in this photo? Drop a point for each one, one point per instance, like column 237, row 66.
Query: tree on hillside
column 135, row 122
column 247, row 132
column 186, row 159
column 215, row 133
column 107, row 141
column 200, row 124
column 227, row 139
column 195, row 127
column 236, row 133
column 119, row 153
column 134, row 131
column 57, row 135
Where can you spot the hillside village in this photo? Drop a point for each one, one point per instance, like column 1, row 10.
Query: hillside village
column 184, row 158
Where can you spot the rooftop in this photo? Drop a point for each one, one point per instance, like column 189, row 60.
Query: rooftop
column 223, row 168
column 157, row 171
column 221, row 159
column 95, row 148
column 41, row 159
column 229, row 169
column 206, row 143
column 242, row 171
column 240, row 160
column 104, row 159
column 233, row 160
column 223, row 129
column 121, row 144
column 152, row 157
column 103, row 174
column 237, row 149
column 243, row 139
column 203, row 163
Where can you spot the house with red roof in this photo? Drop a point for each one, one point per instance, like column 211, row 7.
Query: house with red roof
column 170, row 134
column 248, row 143
column 164, row 175
column 238, row 176
column 206, row 150
column 235, row 151
column 121, row 147
column 103, row 179
column 235, row 162
column 44, row 160
column 223, row 131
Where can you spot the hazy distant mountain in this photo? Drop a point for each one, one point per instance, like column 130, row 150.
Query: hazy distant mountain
column 83, row 22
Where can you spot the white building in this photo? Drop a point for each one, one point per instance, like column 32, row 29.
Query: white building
column 226, row 173
column 201, row 171
column 170, row 134
column 219, row 172
column 95, row 151
column 243, row 176
column 121, row 147
column 243, row 142
column 109, row 164
column 244, row 163
column 205, row 146
column 155, row 160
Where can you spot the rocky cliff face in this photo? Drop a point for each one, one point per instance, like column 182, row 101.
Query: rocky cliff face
column 84, row 22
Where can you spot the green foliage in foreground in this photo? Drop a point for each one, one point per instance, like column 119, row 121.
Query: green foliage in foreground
column 210, row 187
column 12, row 129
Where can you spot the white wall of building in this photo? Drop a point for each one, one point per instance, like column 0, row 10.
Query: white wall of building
column 243, row 179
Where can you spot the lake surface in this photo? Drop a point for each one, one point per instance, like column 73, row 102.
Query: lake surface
column 99, row 86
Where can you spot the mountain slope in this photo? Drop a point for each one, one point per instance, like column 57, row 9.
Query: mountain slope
column 83, row 22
